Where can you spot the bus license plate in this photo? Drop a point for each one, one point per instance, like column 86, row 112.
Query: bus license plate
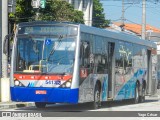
column 41, row 92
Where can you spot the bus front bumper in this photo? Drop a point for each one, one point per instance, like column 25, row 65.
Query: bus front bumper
column 55, row 95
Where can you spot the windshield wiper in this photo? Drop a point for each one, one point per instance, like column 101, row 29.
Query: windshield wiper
column 54, row 47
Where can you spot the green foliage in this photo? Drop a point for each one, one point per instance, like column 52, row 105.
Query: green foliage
column 59, row 10
column 78, row 16
column 24, row 11
column 55, row 10
column 98, row 15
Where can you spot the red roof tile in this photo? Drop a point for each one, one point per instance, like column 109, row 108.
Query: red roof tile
column 136, row 28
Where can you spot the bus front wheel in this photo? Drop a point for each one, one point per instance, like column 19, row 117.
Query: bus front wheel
column 40, row 104
column 96, row 102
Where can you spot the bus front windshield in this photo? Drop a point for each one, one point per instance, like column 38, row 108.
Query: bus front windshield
column 45, row 54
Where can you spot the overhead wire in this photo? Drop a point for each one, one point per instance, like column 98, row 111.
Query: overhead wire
column 135, row 5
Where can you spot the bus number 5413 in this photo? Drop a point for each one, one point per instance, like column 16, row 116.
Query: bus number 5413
column 53, row 82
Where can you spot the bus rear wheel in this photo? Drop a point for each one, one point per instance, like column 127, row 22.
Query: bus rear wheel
column 40, row 104
column 142, row 98
column 136, row 97
column 96, row 102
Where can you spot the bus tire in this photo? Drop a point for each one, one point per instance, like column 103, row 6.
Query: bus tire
column 96, row 102
column 136, row 97
column 142, row 98
column 40, row 104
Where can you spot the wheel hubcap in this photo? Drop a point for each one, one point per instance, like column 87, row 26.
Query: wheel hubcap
column 137, row 95
column 97, row 98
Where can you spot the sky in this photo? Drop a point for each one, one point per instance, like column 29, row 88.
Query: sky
column 133, row 12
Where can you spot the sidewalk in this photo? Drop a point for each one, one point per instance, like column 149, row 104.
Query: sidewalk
column 10, row 105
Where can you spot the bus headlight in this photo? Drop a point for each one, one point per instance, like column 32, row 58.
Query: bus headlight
column 68, row 84
column 16, row 83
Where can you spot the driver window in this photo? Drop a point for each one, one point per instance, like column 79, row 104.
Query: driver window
column 84, row 54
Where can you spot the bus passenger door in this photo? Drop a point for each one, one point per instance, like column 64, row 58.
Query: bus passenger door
column 111, row 69
column 151, row 76
column 149, row 71
column 84, row 58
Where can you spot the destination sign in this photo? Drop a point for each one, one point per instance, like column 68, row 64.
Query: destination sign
column 48, row 30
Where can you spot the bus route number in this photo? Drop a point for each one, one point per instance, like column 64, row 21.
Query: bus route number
column 51, row 82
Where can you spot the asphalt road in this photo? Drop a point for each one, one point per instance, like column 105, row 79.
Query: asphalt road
column 151, row 103
column 151, row 106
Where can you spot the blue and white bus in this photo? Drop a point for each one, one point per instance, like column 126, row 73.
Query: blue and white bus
column 61, row 62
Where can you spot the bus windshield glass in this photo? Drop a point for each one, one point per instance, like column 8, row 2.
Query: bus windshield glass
column 49, row 53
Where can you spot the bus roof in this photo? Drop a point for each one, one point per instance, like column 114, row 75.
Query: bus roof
column 98, row 31
column 117, row 35
column 45, row 23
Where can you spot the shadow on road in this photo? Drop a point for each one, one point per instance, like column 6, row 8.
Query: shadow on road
column 80, row 107
column 122, row 103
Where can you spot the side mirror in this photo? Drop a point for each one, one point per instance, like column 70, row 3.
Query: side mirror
column 6, row 44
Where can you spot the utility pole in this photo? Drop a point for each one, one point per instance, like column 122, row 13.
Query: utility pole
column 1, row 38
column 4, row 87
column 144, row 19
column 37, row 14
column 122, row 17
column 4, row 33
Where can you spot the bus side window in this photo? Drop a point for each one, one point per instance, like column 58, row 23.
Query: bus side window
column 102, row 64
column 84, row 54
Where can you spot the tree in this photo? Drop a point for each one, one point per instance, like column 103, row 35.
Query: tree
column 98, row 15
column 55, row 10
column 59, row 10
column 24, row 11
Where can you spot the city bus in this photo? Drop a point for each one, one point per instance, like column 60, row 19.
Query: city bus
column 63, row 62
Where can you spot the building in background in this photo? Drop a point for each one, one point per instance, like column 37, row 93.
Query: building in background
column 86, row 6
column 136, row 29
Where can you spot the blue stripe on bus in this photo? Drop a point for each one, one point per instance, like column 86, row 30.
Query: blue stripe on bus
column 128, row 90
column 56, row 95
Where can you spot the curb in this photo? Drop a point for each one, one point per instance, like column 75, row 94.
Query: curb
column 15, row 105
